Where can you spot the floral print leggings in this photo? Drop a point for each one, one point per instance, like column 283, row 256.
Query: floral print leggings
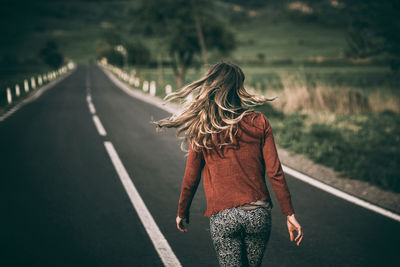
column 240, row 237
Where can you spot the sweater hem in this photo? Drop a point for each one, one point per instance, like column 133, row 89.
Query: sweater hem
column 236, row 203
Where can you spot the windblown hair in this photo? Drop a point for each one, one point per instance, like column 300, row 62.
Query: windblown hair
column 219, row 102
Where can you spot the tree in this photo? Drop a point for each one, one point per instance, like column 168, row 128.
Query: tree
column 186, row 28
column 199, row 31
column 113, row 56
column 374, row 29
column 138, row 54
column 111, row 37
column 51, row 55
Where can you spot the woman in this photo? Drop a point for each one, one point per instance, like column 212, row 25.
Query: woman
column 232, row 146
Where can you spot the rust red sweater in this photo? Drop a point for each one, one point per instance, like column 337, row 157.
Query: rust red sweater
column 236, row 175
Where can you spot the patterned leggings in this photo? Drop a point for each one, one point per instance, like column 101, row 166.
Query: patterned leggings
column 240, row 237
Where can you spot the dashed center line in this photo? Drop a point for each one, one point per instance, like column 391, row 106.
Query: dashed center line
column 99, row 126
column 91, row 108
column 160, row 243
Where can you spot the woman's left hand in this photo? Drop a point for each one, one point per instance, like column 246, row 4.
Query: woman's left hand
column 293, row 225
column 179, row 224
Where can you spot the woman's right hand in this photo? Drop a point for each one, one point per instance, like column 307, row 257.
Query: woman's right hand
column 179, row 224
column 293, row 225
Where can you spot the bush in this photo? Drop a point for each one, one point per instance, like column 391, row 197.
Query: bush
column 51, row 55
column 113, row 56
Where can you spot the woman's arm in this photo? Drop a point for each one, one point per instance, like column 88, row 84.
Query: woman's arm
column 278, row 182
column 194, row 165
column 274, row 170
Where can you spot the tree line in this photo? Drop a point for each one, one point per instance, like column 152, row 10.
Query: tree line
column 186, row 30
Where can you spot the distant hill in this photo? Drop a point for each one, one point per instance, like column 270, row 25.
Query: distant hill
column 266, row 31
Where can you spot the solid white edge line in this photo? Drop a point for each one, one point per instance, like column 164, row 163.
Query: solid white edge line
column 298, row 175
column 34, row 95
column 340, row 194
column 157, row 238
column 99, row 126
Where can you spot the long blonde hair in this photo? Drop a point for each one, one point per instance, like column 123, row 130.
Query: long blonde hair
column 219, row 102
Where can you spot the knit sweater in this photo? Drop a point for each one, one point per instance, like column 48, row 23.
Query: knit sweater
column 235, row 174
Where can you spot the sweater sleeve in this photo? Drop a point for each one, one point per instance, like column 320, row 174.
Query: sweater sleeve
column 194, row 165
column 274, row 170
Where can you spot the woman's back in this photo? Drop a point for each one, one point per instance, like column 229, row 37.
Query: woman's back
column 235, row 175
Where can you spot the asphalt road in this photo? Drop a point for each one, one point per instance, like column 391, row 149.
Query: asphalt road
column 63, row 204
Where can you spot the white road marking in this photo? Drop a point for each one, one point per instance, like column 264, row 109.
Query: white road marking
column 90, row 103
column 160, row 243
column 340, row 194
column 91, row 108
column 99, row 126
column 300, row 176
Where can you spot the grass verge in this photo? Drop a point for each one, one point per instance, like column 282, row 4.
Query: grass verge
column 360, row 146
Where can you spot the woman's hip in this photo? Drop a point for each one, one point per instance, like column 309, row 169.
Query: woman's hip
column 230, row 221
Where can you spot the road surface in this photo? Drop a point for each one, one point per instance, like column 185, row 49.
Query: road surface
column 63, row 203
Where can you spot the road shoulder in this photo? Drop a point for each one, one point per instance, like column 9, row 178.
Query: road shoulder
column 363, row 190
